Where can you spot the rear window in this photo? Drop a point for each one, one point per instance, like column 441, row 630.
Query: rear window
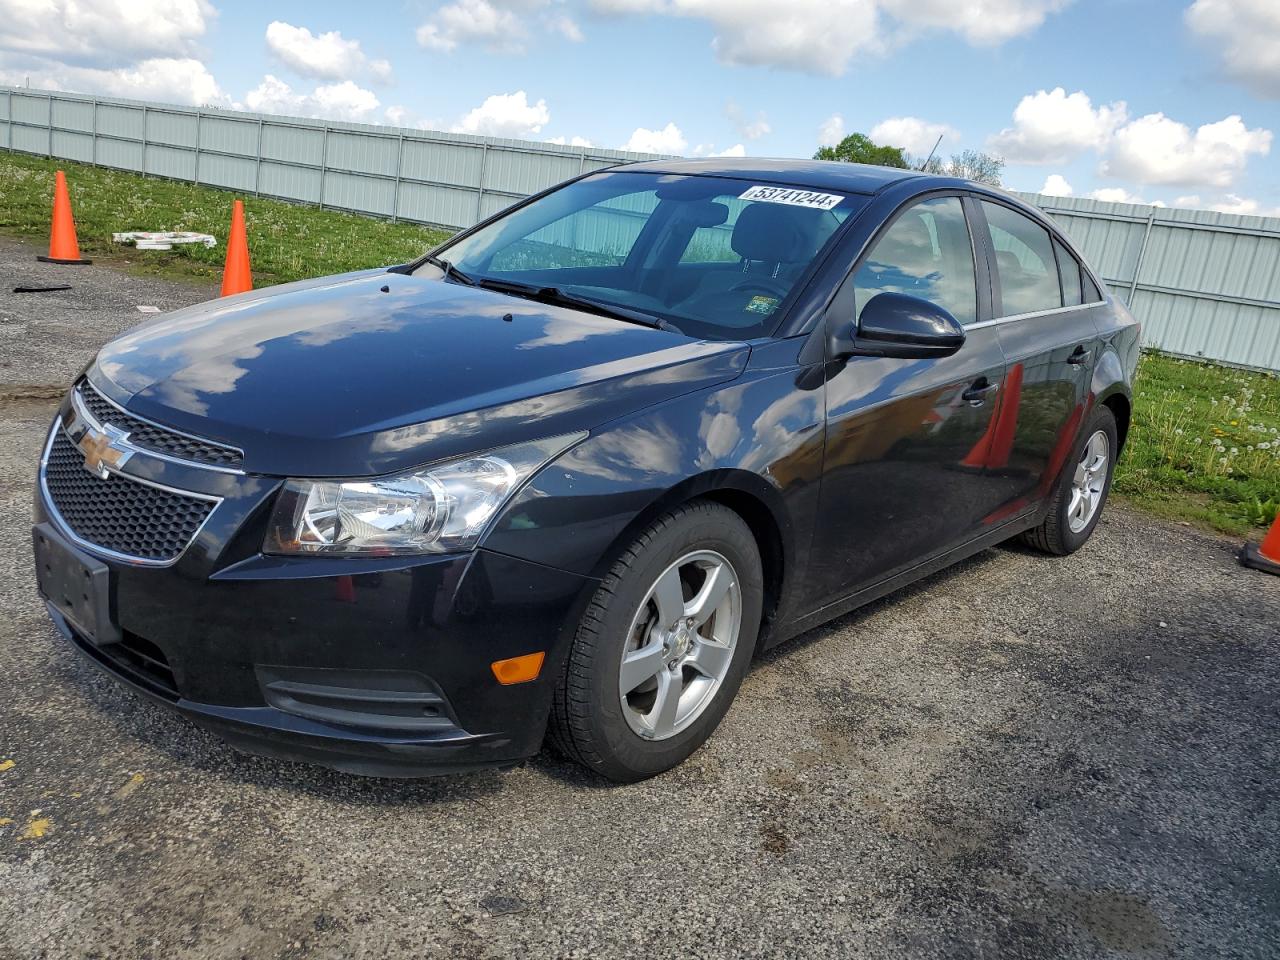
column 1025, row 262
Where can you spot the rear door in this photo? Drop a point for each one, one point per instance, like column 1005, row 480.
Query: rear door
column 1049, row 341
column 904, row 474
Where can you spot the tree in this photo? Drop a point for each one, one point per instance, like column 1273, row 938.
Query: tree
column 967, row 165
column 859, row 148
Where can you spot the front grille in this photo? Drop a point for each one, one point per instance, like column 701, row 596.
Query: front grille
column 118, row 513
column 149, row 436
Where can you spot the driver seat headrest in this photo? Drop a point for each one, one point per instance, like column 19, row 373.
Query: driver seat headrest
column 775, row 233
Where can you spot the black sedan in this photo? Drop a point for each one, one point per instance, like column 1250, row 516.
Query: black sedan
column 566, row 474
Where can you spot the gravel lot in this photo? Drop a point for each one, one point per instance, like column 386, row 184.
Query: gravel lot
column 1020, row 757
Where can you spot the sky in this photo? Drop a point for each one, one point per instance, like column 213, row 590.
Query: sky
column 1174, row 102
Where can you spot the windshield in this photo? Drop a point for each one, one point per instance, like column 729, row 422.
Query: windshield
column 716, row 257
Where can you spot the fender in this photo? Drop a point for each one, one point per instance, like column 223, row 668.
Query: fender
column 755, row 443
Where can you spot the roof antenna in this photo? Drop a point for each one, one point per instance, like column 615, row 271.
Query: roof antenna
column 931, row 153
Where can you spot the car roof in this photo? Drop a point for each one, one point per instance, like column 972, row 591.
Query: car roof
column 814, row 174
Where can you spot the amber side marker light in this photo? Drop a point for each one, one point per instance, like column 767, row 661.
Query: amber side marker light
column 520, row 669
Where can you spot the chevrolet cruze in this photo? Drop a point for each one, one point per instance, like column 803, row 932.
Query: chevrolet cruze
column 563, row 476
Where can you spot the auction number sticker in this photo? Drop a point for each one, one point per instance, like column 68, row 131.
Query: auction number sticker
column 792, row 196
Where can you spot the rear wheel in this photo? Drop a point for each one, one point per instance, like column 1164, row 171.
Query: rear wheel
column 1082, row 489
column 663, row 645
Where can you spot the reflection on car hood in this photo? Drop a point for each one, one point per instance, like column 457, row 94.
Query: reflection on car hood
column 372, row 372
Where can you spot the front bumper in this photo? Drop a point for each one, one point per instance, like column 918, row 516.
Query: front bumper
column 378, row 667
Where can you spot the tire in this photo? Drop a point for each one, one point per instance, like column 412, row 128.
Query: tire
column 1062, row 532
column 607, row 730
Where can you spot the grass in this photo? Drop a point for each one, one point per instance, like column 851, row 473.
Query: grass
column 1204, row 445
column 286, row 241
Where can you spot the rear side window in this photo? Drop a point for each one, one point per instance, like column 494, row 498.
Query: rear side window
column 1069, row 272
column 926, row 253
column 1091, row 292
column 1024, row 260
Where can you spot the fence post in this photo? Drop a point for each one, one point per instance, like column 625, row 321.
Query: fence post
column 93, row 147
column 395, row 191
column 50, row 121
column 257, row 160
column 199, row 118
column 144, row 139
column 324, row 163
column 484, row 163
column 1142, row 254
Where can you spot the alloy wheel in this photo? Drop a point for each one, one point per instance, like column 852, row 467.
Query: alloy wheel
column 1089, row 482
column 680, row 645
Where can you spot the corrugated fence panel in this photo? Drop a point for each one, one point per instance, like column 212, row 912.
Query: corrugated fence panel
column 173, row 129
column 1204, row 284
column 124, row 122
column 73, row 115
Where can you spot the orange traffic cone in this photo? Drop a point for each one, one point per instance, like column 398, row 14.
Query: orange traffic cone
column 62, row 235
column 236, row 277
column 1266, row 555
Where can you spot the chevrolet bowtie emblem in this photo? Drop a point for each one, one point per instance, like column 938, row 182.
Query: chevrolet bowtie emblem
column 104, row 450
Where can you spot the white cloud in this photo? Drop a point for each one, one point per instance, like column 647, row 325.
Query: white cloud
column 571, row 141
column 1229, row 203
column 752, row 129
column 334, row 101
column 473, row 21
column 667, row 140
column 1056, row 185
column 823, row 36
column 980, row 22
column 165, row 79
column 1246, row 36
column 737, row 150
column 912, row 134
column 103, row 33
column 831, row 131
column 566, row 26
column 1121, row 195
column 1054, row 126
column 506, row 115
column 1156, row 149
column 327, row 56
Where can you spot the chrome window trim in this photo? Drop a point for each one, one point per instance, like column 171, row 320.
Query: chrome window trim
column 1035, row 313
column 65, row 529
column 83, row 411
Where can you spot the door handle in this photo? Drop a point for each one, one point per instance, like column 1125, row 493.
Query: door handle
column 1080, row 356
column 977, row 394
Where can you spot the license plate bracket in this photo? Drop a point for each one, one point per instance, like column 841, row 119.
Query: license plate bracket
column 75, row 584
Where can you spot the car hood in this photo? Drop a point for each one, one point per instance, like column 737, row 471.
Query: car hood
column 372, row 372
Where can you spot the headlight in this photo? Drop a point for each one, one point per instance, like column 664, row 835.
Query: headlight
column 444, row 508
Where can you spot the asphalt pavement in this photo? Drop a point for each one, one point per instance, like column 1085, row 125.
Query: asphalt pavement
column 1021, row 757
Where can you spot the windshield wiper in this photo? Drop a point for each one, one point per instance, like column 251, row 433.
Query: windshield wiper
column 451, row 272
column 554, row 295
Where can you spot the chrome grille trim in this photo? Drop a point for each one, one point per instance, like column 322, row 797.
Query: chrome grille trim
column 67, row 531
column 82, row 407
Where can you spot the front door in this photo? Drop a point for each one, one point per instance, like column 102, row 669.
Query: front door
column 907, row 440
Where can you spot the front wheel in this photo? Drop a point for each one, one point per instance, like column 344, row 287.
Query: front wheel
column 663, row 645
column 1082, row 489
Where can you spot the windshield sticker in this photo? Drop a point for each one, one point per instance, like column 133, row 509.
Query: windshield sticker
column 762, row 305
column 792, row 196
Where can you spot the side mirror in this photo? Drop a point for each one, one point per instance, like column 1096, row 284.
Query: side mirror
column 898, row 325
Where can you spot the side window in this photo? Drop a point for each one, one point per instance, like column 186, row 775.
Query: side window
column 1091, row 292
column 1069, row 272
column 926, row 253
column 1024, row 260
column 597, row 236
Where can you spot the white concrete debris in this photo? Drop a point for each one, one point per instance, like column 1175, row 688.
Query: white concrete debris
column 153, row 240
